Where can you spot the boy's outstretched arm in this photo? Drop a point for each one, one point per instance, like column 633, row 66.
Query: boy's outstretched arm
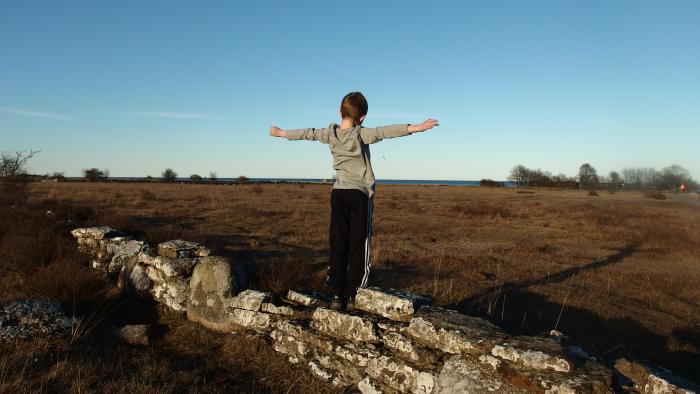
column 376, row 134
column 310, row 134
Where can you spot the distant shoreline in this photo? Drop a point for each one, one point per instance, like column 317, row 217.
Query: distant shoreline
column 434, row 182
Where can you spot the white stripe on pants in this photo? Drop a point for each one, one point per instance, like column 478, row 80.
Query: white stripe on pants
column 368, row 242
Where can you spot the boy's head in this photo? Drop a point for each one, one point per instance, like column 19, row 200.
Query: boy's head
column 354, row 106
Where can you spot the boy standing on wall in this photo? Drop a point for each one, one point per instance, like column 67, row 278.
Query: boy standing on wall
column 351, row 198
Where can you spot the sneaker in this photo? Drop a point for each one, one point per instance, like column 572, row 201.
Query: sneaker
column 350, row 306
column 337, row 303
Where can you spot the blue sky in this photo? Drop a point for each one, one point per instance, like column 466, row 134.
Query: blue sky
column 137, row 86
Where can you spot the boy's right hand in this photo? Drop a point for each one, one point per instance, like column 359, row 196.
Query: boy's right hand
column 277, row 132
column 426, row 125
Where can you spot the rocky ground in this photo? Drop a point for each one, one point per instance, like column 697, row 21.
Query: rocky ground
column 25, row 319
column 394, row 342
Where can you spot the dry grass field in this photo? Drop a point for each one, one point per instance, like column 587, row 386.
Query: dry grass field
column 618, row 273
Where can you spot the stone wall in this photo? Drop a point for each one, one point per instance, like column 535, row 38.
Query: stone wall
column 394, row 342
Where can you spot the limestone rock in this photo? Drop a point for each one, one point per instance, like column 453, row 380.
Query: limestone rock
column 320, row 372
column 400, row 376
column 210, row 289
column 119, row 251
column 464, row 375
column 587, row 378
column 650, row 380
column 96, row 233
column 170, row 267
column 343, row 326
column 535, row 362
column 533, row 353
column 111, row 254
column 285, row 310
column 173, row 293
column 282, row 310
column 344, row 373
column 453, row 332
column 181, row 248
column 404, row 348
column 133, row 279
column 251, row 320
column 133, row 334
column 313, row 300
column 371, row 386
column 392, row 304
column 357, row 353
column 25, row 319
column 251, row 300
column 139, row 279
column 154, row 274
column 289, row 345
column 391, row 326
column 88, row 245
column 117, row 262
column 303, row 334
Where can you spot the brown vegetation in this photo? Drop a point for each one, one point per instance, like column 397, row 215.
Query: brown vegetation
column 617, row 273
column 38, row 259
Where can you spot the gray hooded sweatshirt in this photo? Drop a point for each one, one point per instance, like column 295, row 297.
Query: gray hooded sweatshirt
column 350, row 149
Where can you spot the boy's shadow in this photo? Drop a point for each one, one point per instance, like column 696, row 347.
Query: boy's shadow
column 529, row 313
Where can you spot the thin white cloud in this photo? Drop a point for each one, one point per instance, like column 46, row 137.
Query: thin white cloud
column 34, row 114
column 176, row 115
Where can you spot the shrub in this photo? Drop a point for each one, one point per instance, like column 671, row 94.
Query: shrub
column 58, row 177
column 593, row 193
column 195, row 178
column 169, row 175
column 490, row 183
column 242, row 179
column 95, row 174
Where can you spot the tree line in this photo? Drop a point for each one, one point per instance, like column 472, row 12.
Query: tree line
column 168, row 175
column 635, row 178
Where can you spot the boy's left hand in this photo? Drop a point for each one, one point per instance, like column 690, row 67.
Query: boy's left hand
column 277, row 132
column 426, row 125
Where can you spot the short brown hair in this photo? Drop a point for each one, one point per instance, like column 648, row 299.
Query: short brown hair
column 353, row 106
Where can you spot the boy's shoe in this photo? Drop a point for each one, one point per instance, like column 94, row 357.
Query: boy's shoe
column 350, row 305
column 337, row 303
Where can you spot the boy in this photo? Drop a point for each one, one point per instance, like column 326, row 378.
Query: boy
column 351, row 198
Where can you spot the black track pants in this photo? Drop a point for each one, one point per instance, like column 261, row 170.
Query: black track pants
column 350, row 236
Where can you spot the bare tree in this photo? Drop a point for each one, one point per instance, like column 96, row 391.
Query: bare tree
column 13, row 175
column 647, row 176
column 212, row 177
column 670, row 178
column 520, row 175
column 14, row 164
column 632, row 177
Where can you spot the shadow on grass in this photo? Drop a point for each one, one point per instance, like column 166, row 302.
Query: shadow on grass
column 528, row 313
